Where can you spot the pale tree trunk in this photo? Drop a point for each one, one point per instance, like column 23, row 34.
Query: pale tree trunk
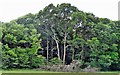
column 58, row 49
column 47, row 49
column 65, row 36
column 65, row 47
column 56, row 41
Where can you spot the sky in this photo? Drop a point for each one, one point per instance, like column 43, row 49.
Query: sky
column 12, row 9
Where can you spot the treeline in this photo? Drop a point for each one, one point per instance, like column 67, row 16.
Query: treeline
column 58, row 35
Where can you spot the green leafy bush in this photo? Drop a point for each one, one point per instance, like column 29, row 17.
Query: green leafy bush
column 55, row 61
column 38, row 61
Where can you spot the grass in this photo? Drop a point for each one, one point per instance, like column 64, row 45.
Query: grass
column 39, row 72
column 27, row 71
column 24, row 71
column 33, row 72
column 42, row 71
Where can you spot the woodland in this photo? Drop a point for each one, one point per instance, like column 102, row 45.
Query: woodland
column 60, row 35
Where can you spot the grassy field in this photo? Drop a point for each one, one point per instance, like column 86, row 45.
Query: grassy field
column 34, row 71
column 25, row 71
column 38, row 72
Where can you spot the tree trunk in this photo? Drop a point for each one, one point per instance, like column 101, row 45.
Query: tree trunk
column 47, row 49
column 52, row 49
column 58, row 50
column 64, row 48
column 56, row 41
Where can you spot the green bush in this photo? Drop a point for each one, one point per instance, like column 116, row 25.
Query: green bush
column 38, row 61
column 55, row 61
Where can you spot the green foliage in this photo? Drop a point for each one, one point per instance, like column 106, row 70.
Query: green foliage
column 38, row 61
column 0, row 55
column 15, row 56
column 55, row 61
column 83, row 36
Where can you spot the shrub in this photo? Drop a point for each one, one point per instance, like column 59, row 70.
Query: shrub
column 55, row 61
column 38, row 61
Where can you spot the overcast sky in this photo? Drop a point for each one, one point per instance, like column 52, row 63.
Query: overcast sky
column 12, row 9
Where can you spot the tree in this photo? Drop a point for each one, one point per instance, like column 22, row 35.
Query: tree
column 64, row 25
column 15, row 55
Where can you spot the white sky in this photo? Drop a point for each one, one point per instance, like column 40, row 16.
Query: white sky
column 12, row 9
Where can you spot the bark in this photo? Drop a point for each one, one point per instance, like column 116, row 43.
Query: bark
column 64, row 48
column 58, row 49
column 52, row 49
column 47, row 49
column 56, row 41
